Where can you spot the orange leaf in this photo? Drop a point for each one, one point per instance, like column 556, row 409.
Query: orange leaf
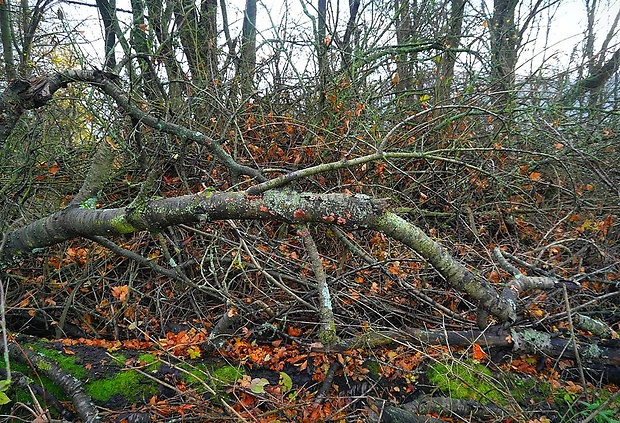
column 535, row 176
column 120, row 292
column 395, row 78
column 293, row 331
column 53, row 169
column 479, row 353
column 494, row 276
column 359, row 107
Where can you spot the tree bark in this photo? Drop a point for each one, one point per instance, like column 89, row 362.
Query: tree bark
column 247, row 59
column 351, row 212
column 32, row 93
column 445, row 68
column 6, row 33
column 403, row 81
column 107, row 10
column 504, row 44
column 322, row 47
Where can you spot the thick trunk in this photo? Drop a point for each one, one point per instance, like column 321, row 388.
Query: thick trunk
column 6, row 33
column 404, row 78
column 107, row 10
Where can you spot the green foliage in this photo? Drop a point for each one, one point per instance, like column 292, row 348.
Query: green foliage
column 575, row 410
column 606, row 415
column 66, row 362
column 226, row 375
column 4, row 399
column 466, row 381
column 127, row 383
column 151, row 362
column 527, row 389
column 20, row 395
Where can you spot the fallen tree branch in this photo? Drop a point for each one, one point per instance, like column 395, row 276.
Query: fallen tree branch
column 348, row 211
column 70, row 385
column 524, row 341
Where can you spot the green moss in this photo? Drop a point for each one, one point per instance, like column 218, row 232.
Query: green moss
column 127, row 383
column 227, row 374
column 20, row 395
column 66, row 362
column 527, row 389
column 215, row 376
column 374, row 368
column 328, row 337
column 151, row 362
column 466, row 381
column 122, row 226
column 118, row 360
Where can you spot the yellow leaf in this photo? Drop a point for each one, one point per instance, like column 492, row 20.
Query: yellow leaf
column 395, row 78
column 193, row 352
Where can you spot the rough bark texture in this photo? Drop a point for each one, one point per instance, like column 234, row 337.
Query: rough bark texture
column 445, row 68
column 349, row 211
column 247, row 60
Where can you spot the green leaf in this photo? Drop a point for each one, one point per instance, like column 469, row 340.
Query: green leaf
column 258, row 385
column 285, row 381
column 4, row 384
column 4, row 399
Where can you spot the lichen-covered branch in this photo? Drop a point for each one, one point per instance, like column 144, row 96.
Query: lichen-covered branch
column 349, row 211
column 70, row 385
column 35, row 92
column 98, row 175
column 327, row 334
column 455, row 273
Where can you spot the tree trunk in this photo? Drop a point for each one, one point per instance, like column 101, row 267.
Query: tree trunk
column 404, row 78
column 140, row 43
column 6, row 33
column 247, row 59
column 504, row 44
column 347, row 40
column 445, row 68
column 107, row 10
